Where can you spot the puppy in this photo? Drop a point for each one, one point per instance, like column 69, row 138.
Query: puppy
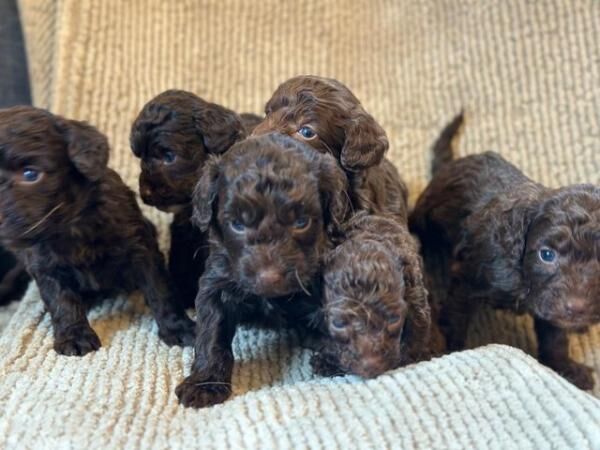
column 506, row 240
column 326, row 115
column 375, row 303
column 13, row 277
column 77, row 227
column 274, row 207
column 173, row 136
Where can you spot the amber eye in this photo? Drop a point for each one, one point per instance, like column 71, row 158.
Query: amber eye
column 169, row 157
column 307, row 132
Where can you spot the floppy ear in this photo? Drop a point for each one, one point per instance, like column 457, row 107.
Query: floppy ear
column 205, row 194
column 219, row 127
column 365, row 142
column 492, row 245
column 88, row 149
column 153, row 115
column 333, row 185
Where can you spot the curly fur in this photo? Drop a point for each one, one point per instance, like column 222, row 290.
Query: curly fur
column 375, row 304
column 78, row 228
column 486, row 223
column 182, row 125
column 262, row 265
column 344, row 129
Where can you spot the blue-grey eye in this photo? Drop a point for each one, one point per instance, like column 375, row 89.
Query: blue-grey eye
column 301, row 223
column 547, row 255
column 169, row 157
column 237, row 226
column 30, row 175
column 306, row 132
column 339, row 323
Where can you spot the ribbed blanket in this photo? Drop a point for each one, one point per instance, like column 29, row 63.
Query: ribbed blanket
column 527, row 75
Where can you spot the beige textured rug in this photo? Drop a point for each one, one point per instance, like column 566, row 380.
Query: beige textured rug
column 528, row 74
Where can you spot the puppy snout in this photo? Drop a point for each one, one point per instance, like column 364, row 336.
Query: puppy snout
column 576, row 305
column 269, row 277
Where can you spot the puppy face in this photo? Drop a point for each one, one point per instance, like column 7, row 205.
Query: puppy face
column 562, row 258
column 365, row 310
column 326, row 115
column 173, row 136
column 272, row 203
column 47, row 164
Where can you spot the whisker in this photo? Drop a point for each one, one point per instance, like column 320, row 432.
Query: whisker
column 301, row 284
column 211, row 383
column 52, row 211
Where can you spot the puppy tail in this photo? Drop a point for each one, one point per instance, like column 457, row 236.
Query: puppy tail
column 442, row 148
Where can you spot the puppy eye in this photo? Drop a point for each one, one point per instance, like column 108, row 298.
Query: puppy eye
column 30, row 175
column 339, row 323
column 237, row 226
column 306, row 132
column 169, row 157
column 547, row 255
column 394, row 324
column 302, row 223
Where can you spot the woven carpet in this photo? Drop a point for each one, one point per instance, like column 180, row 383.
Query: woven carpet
column 528, row 76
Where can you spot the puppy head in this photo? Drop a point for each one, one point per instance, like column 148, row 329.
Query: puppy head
column 48, row 165
column 173, row 136
column 364, row 305
column 561, row 260
column 272, row 204
column 326, row 115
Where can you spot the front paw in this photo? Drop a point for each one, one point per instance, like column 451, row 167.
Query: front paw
column 325, row 366
column 178, row 331
column 195, row 392
column 580, row 375
column 76, row 341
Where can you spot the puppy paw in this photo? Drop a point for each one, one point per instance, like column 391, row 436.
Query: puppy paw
column 324, row 366
column 76, row 341
column 580, row 375
column 194, row 392
column 179, row 331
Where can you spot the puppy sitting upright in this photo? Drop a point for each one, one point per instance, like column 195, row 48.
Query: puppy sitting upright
column 492, row 235
column 273, row 205
column 77, row 227
column 326, row 115
column 173, row 135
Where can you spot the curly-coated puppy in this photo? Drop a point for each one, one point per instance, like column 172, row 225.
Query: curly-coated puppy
column 77, row 227
column 13, row 277
column 326, row 115
column 376, row 310
column 273, row 206
column 173, row 135
column 506, row 240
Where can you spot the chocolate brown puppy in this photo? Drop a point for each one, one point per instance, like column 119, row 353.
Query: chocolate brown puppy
column 324, row 113
column 492, row 235
column 273, row 206
column 173, row 136
column 375, row 304
column 77, row 227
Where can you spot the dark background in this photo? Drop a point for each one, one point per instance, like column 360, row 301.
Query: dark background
column 14, row 79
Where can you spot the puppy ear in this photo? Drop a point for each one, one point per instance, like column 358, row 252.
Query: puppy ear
column 219, row 127
column 88, row 149
column 365, row 142
column 493, row 240
column 333, row 185
column 205, row 194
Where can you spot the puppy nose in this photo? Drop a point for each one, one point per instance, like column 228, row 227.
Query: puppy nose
column 269, row 277
column 576, row 305
column 145, row 191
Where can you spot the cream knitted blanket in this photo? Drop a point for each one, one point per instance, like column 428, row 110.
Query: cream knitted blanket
column 528, row 75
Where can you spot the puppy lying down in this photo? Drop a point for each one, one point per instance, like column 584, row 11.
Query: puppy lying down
column 77, row 227
column 492, row 235
column 272, row 206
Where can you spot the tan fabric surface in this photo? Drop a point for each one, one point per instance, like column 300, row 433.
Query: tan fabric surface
column 528, row 75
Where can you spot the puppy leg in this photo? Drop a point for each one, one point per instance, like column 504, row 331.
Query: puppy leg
column 553, row 351
column 209, row 383
column 13, row 284
column 73, row 335
column 174, row 326
column 325, row 362
column 455, row 317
